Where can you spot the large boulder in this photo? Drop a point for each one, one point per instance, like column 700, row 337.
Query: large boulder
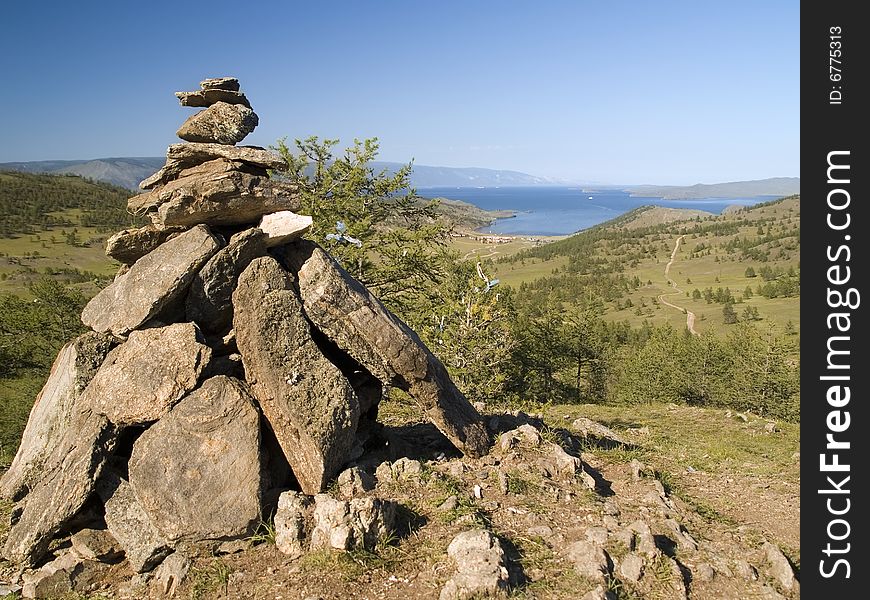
column 186, row 155
column 209, row 302
column 143, row 544
column 63, row 483
column 129, row 245
column 53, row 411
column 349, row 315
column 309, row 404
column 196, row 472
column 220, row 123
column 143, row 378
column 218, row 192
column 155, row 282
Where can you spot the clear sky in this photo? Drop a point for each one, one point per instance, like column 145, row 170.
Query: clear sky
column 609, row 91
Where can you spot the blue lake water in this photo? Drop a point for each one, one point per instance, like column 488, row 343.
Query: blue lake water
column 565, row 210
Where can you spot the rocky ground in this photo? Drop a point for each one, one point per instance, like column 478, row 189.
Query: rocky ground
column 665, row 502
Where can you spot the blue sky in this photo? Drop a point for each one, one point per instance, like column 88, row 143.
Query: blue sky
column 606, row 91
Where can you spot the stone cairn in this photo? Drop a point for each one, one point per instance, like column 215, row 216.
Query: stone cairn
column 232, row 367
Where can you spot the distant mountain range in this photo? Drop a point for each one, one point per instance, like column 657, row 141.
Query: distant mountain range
column 128, row 172
column 774, row 186
column 124, row 172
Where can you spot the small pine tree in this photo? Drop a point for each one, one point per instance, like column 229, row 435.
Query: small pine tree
column 750, row 272
column 728, row 314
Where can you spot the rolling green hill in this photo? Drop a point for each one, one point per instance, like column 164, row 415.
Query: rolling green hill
column 749, row 258
column 56, row 226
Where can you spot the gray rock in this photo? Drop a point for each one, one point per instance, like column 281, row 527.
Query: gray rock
column 143, row 378
column 503, row 482
column 703, row 572
column 220, row 123
column 157, row 280
column 637, row 469
column 171, row 573
column 129, row 245
column 207, row 97
column 66, row 574
column 349, row 315
column 218, row 192
column 644, row 541
column 597, row 535
column 309, row 404
column 406, row 468
column 210, row 299
column 542, row 531
column 587, row 480
column 53, row 410
column 450, row 503
column 354, row 482
column 358, row 523
column 180, row 157
column 196, row 472
column 144, row 546
column 779, row 567
column 589, row 560
column 96, row 544
column 598, row 593
column 220, row 83
column 481, row 567
column 682, row 537
column 64, row 482
column 564, row 464
column 744, row 570
column 283, row 227
column 384, row 472
column 631, row 567
column 588, row 427
column 292, row 523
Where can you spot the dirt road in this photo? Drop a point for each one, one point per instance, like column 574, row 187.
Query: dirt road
column 690, row 316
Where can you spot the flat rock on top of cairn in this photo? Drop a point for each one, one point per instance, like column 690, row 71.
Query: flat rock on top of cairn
column 216, row 193
column 220, row 83
column 208, row 97
column 190, row 154
column 220, row 123
column 349, row 315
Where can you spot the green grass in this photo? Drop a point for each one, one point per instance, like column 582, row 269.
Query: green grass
column 704, row 439
column 207, row 582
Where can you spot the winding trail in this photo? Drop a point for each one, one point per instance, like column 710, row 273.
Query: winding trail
column 690, row 316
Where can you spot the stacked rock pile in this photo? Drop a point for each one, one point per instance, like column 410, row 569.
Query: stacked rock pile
column 228, row 362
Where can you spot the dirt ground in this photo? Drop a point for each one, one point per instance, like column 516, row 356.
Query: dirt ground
column 712, row 488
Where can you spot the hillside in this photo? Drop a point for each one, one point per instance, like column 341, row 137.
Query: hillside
column 774, row 186
column 749, row 257
column 640, row 497
column 122, row 172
